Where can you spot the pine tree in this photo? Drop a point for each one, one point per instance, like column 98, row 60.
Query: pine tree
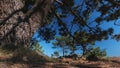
column 37, row 48
column 19, row 20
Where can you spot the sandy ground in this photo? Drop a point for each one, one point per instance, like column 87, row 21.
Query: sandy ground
column 112, row 62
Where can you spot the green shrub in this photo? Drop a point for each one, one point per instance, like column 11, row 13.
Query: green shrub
column 37, row 48
column 95, row 54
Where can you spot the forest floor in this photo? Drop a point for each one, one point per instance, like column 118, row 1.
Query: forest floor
column 110, row 62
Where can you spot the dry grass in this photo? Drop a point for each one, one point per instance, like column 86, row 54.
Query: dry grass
column 33, row 60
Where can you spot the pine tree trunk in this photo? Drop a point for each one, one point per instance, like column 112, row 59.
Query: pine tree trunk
column 14, row 32
column 63, row 51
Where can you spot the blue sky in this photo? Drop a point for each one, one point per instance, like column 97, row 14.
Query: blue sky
column 112, row 46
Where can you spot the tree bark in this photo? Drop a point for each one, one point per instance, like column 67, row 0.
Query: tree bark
column 14, row 30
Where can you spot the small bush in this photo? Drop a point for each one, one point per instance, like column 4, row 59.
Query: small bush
column 96, row 54
column 27, row 55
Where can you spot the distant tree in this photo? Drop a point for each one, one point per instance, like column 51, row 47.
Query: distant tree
column 61, row 43
column 37, row 48
column 52, row 55
column 73, row 48
column 96, row 54
column 56, row 54
column 66, row 43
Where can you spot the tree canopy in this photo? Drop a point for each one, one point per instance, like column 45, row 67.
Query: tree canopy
column 72, row 18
